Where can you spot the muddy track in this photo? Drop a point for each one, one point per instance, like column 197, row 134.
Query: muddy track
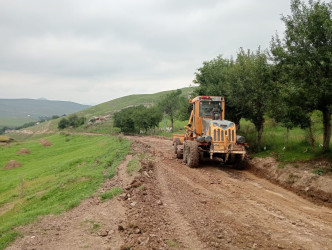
column 223, row 208
column 168, row 205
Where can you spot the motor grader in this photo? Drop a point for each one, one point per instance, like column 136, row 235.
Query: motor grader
column 208, row 134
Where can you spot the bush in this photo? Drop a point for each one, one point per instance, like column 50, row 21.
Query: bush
column 72, row 121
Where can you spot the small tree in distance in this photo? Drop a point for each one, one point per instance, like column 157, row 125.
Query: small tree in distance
column 171, row 104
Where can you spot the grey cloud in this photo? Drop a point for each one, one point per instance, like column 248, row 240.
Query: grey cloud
column 158, row 43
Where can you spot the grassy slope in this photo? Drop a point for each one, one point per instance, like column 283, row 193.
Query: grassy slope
column 54, row 178
column 110, row 107
column 123, row 102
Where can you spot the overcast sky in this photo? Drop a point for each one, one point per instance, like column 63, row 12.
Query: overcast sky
column 94, row 51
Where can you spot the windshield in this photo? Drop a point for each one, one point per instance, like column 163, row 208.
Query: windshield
column 208, row 108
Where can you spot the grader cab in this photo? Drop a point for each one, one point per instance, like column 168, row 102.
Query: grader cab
column 208, row 134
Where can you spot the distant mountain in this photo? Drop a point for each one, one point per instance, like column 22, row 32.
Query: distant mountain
column 31, row 109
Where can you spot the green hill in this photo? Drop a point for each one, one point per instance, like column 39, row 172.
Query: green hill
column 107, row 108
column 115, row 105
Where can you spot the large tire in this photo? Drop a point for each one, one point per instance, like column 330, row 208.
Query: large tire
column 193, row 155
column 232, row 159
column 185, row 151
column 179, row 154
column 239, row 163
column 176, row 143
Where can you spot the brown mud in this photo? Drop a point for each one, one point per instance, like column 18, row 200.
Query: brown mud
column 170, row 206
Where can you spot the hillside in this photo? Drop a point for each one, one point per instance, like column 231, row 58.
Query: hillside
column 14, row 112
column 106, row 108
column 115, row 105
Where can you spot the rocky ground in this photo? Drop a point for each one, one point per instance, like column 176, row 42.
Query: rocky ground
column 170, row 206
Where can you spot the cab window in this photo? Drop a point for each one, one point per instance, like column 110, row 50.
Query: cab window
column 207, row 108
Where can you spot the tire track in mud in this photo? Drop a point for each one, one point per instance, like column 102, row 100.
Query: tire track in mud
column 230, row 209
column 168, row 205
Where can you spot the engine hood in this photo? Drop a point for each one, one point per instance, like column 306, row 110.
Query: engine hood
column 223, row 124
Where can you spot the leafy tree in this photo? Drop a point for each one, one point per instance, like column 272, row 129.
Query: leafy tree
column 214, row 79
column 171, row 104
column 73, row 121
column 252, row 89
column 124, row 120
column 304, row 56
column 63, row 123
column 136, row 119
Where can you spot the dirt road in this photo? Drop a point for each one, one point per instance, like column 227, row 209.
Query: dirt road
column 169, row 205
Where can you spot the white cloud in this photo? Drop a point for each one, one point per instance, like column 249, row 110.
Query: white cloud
column 94, row 51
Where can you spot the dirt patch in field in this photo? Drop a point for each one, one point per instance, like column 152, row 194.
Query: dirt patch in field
column 45, row 142
column 12, row 164
column 312, row 180
column 23, row 151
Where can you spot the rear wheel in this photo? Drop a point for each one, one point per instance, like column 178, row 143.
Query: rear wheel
column 176, row 143
column 185, row 151
column 179, row 154
column 193, row 155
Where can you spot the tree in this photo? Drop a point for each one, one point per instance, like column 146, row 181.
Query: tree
column 73, row 121
column 215, row 78
column 63, row 123
column 305, row 56
column 170, row 105
column 252, row 89
column 137, row 119
column 245, row 83
column 124, row 120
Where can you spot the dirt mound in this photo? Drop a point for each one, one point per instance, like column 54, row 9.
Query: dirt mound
column 12, row 164
column 45, row 142
column 23, row 151
column 301, row 178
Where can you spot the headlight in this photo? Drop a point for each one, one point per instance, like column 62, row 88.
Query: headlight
column 208, row 139
column 240, row 139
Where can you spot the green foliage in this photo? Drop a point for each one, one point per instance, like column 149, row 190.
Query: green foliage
column 245, row 83
column 137, row 119
column 72, row 121
column 172, row 103
column 63, row 123
column 55, row 117
column 304, row 59
column 252, row 89
column 53, row 179
column 111, row 193
column 214, row 78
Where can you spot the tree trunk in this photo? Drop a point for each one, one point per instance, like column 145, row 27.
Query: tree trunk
column 287, row 137
column 172, row 123
column 259, row 137
column 312, row 139
column 327, row 130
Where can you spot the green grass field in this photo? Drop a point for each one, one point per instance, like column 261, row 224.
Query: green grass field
column 274, row 142
column 53, row 179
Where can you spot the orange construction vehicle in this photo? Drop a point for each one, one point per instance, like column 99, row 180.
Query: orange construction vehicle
column 208, row 134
